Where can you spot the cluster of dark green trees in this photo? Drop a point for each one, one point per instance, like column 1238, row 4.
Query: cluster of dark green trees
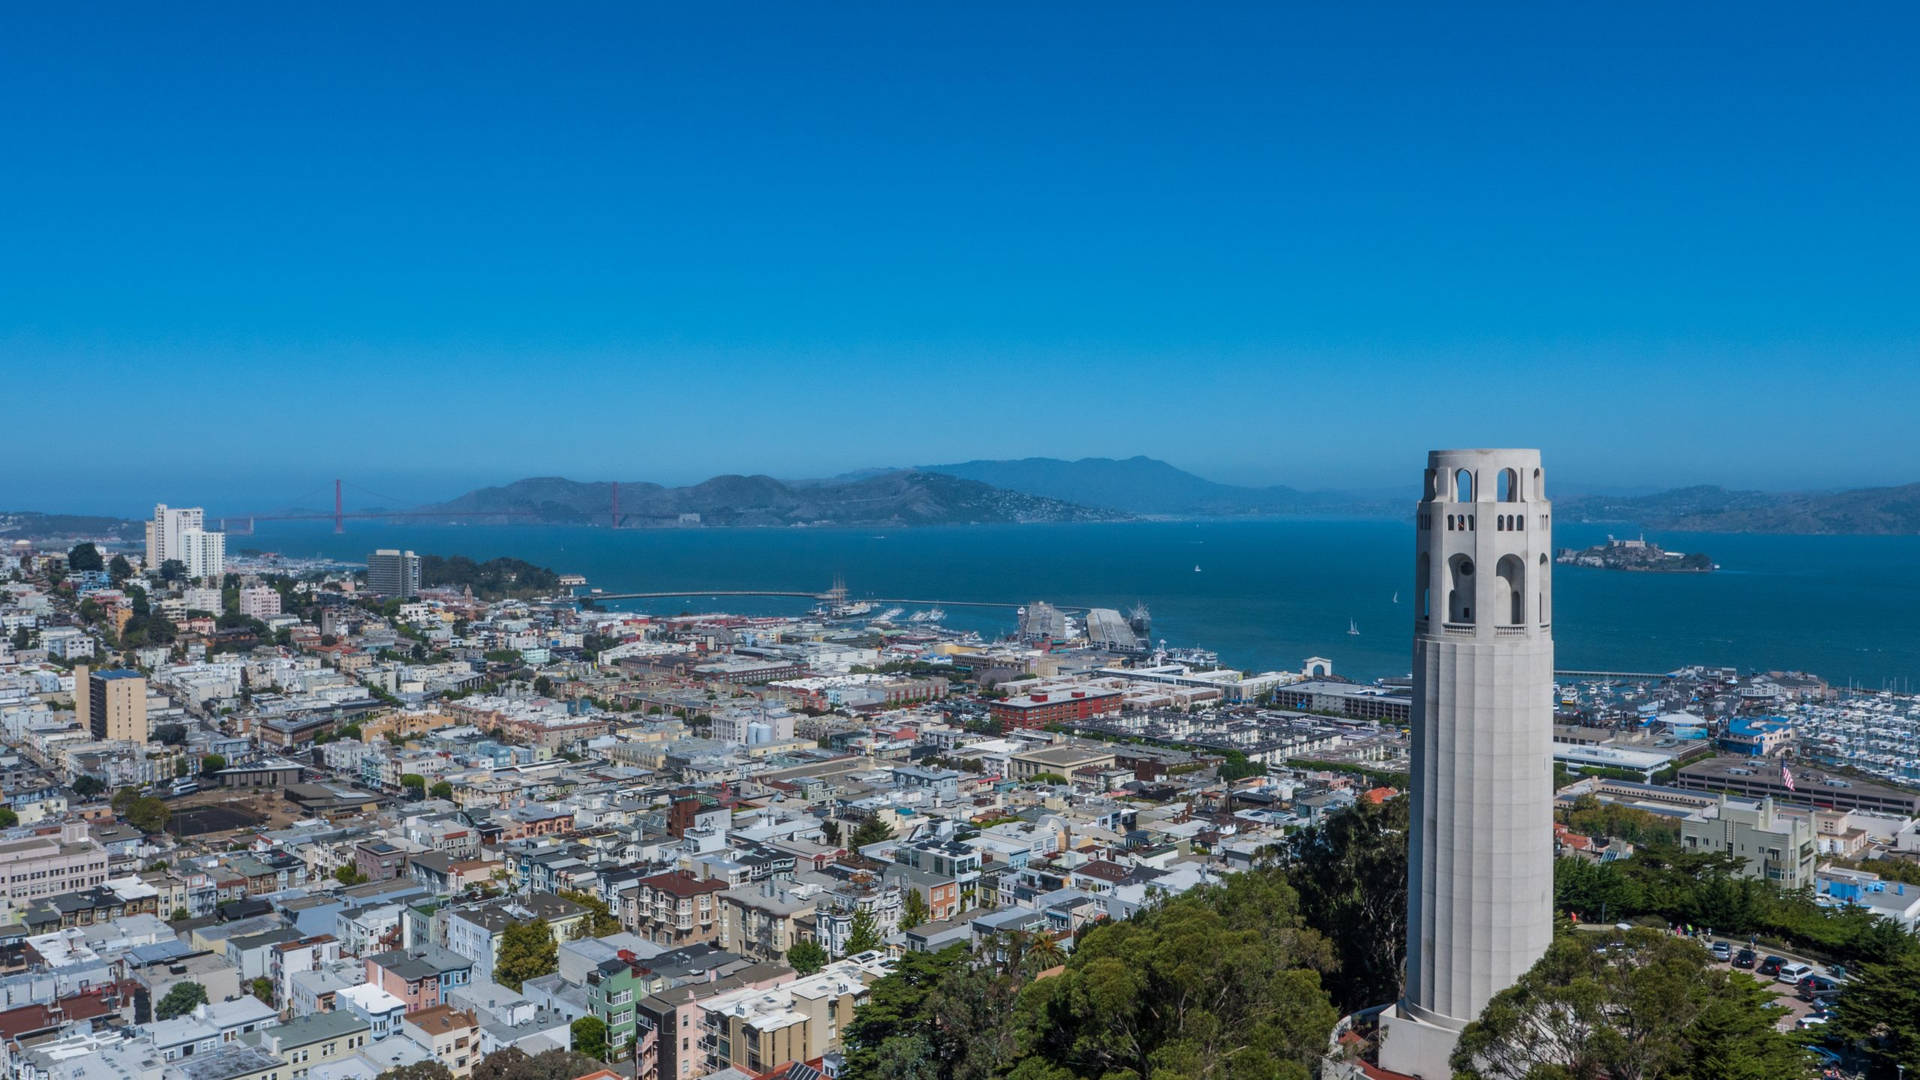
column 1647, row 1004
column 510, row 1063
column 1246, row 980
column 490, row 580
column 1219, row 982
column 1707, row 891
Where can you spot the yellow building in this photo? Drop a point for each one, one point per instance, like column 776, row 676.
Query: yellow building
column 113, row 704
column 405, row 723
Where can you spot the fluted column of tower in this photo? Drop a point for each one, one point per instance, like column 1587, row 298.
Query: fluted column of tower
column 1480, row 862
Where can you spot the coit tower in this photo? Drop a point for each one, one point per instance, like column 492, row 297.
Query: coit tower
column 1480, row 861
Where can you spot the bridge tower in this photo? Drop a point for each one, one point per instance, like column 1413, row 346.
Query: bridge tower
column 1480, row 861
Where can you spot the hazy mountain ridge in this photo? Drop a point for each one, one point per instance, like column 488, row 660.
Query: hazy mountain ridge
column 1706, row 508
column 902, row 497
column 1148, row 486
column 36, row 525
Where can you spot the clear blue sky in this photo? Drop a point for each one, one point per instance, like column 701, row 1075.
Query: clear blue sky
column 248, row 248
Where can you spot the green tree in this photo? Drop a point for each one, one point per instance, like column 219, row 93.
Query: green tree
column 1219, row 982
column 1042, row 953
column 1881, row 1012
column 85, row 557
column 864, row 935
column 172, row 570
column 600, row 918
column 87, row 786
column 1237, row 767
column 590, row 1037
column 180, row 914
column 935, row 1016
column 349, row 875
column 913, row 910
column 1350, row 871
column 119, row 570
column 441, row 789
column 1640, row 1004
column 211, row 764
column 831, row 831
column 527, row 951
column 806, row 957
column 148, row 814
column 415, row 784
column 262, row 989
column 419, row 1070
column 871, row 831
column 180, row 1000
column 512, row 1063
column 8, row 818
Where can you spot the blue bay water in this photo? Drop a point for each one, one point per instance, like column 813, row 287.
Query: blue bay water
column 1267, row 594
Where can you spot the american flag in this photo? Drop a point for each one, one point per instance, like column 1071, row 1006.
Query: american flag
column 1786, row 776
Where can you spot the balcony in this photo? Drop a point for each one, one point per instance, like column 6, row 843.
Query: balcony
column 1510, row 631
column 1458, row 629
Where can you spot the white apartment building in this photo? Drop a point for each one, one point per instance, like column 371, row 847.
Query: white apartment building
column 181, row 533
column 163, row 532
column 201, row 598
column 205, row 553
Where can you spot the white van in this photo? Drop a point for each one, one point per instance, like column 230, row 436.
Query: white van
column 1791, row 974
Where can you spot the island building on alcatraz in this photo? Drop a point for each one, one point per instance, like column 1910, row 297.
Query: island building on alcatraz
column 1480, row 860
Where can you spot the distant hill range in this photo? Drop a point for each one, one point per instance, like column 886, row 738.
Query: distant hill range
column 1149, row 487
column 34, row 525
column 896, row 498
column 1887, row 510
column 1054, row 490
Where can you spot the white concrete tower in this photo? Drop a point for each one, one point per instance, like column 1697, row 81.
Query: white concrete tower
column 1480, row 862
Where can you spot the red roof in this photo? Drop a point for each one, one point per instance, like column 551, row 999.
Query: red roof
column 1378, row 795
column 683, row 883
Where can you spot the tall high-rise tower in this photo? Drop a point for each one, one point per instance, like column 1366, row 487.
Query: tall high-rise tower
column 1480, row 863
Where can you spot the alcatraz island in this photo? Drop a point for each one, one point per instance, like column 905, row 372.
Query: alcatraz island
column 1642, row 555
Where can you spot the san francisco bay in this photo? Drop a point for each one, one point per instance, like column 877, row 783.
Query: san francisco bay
column 1262, row 593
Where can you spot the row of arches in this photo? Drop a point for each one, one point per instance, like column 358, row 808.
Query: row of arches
column 1508, row 592
column 1464, row 485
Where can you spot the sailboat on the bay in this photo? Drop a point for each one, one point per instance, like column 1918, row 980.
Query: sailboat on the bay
column 1353, row 628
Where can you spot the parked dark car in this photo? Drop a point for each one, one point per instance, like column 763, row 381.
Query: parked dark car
column 1818, row 988
column 1771, row 965
column 1744, row 958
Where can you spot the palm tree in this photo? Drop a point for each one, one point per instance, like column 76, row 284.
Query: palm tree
column 1044, row 953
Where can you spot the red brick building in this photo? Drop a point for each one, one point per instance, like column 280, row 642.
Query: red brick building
column 1043, row 707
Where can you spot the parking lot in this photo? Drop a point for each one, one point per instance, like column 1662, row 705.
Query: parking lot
column 1784, row 994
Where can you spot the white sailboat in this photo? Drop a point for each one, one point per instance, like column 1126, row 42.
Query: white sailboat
column 1353, row 628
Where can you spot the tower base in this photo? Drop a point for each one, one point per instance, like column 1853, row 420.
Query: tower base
column 1416, row 1047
